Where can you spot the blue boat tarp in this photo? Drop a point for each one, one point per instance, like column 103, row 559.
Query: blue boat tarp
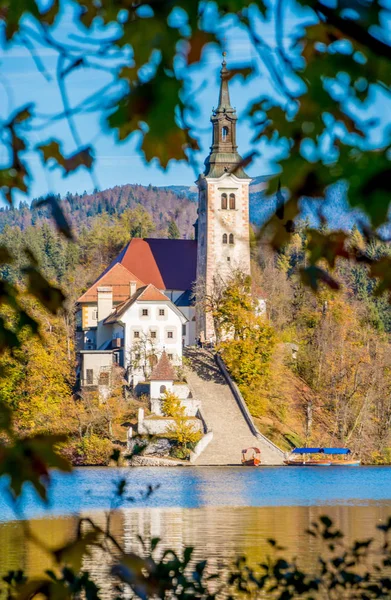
column 321, row 451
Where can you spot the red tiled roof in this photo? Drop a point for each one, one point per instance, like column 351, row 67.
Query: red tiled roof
column 119, row 278
column 167, row 264
column 152, row 294
column 137, row 257
column 163, row 371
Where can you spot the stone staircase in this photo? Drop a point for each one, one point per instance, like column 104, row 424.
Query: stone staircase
column 223, row 416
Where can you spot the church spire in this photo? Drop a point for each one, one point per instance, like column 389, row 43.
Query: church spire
column 224, row 100
column 224, row 157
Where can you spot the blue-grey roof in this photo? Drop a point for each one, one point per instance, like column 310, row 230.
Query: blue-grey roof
column 185, row 299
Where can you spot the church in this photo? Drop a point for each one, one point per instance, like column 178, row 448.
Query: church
column 143, row 303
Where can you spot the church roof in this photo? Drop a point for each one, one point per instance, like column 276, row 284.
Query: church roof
column 163, row 371
column 185, row 299
column 147, row 293
column 167, row 264
column 117, row 277
column 224, row 157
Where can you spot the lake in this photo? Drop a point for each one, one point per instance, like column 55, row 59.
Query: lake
column 222, row 512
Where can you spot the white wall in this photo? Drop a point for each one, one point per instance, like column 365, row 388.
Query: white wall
column 134, row 321
column 190, row 405
column 190, row 337
column 155, row 388
column 159, row 425
column 96, row 361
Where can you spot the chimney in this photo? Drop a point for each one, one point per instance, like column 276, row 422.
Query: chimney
column 105, row 307
column 133, row 288
column 105, row 302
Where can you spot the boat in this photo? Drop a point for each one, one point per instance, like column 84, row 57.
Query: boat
column 322, row 462
column 251, row 457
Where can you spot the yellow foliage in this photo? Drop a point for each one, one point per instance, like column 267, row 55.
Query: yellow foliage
column 171, row 406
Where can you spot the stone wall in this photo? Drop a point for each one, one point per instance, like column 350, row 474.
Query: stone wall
column 154, row 425
column 190, row 405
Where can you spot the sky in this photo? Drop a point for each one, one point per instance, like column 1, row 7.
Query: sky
column 120, row 163
column 117, row 163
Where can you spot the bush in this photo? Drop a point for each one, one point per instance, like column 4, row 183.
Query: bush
column 94, row 450
column 171, row 406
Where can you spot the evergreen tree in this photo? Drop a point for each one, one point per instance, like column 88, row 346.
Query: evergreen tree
column 173, row 231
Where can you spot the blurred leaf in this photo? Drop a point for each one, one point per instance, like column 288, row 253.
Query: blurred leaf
column 58, row 215
column 29, row 459
column 197, row 42
column 312, row 276
column 243, row 71
column 5, row 256
column 327, row 246
column 51, row 297
column 5, row 417
column 152, row 108
column 82, row 157
column 73, row 554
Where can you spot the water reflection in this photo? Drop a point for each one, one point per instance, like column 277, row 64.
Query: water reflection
column 219, row 534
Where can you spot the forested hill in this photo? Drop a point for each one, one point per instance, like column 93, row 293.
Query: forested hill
column 166, row 205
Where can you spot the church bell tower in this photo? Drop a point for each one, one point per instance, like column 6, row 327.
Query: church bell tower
column 223, row 206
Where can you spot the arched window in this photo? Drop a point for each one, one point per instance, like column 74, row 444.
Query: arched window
column 224, row 134
column 231, row 238
column 232, row 201
column 225, row 238
column 162, row 389
column 224, row 201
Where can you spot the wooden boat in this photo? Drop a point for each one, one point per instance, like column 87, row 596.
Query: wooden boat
column 321, row 462
column 251, row 457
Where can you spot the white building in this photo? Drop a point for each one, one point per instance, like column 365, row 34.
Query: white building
column 132, row 334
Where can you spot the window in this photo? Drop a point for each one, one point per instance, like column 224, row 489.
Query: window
column 153, row 335
column 136, row 334
column 103, row 378
column 90, row 376
column 224, row 134
column 225, row 238
column 170, row 356
column 228, row 259
column 161, row 312
column 170, row 335
column 162, row 389
column 95, row 315
column 137, row 356
column 231, row 238
column 224, row 203
column 232, row 201
column 144, row 312
column 184, row 329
